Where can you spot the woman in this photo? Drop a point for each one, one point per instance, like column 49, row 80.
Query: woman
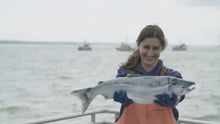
column 145, row 61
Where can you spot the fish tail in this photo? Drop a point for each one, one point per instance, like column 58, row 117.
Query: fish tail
column 85, row 100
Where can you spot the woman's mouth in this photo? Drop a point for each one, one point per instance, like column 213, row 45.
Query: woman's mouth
column 149, row 58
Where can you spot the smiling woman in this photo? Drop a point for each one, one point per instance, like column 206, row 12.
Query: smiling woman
column 145, row 61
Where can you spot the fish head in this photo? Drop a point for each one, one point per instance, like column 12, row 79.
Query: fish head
column 180, row 86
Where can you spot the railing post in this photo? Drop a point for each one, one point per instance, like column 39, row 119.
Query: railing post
column 93, row 118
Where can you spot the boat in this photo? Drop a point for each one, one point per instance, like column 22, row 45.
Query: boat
column 124, row 47
column 181, row 47
column 85, row 46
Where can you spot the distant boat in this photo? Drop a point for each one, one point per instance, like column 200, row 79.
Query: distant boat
column 181, row 47
column 124, row 47
column 85, row 46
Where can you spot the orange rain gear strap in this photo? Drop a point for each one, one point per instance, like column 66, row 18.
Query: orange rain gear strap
column 163, row 71
column 147, row 114
column 132, row 71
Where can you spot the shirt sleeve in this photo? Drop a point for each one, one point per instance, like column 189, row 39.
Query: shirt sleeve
column 122, row 72
column 171, row 72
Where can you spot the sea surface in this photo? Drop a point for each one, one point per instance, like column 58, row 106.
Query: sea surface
column 36, row 80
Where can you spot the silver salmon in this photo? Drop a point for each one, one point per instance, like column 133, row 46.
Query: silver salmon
column 141, row 89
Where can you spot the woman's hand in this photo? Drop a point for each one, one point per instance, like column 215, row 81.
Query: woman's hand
column 166, row 101
column 122, row 98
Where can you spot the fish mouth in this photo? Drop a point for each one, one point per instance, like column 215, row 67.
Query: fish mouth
column 190, row 89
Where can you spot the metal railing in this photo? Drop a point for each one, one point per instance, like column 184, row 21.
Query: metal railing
column 92, row 114
column 93, row 118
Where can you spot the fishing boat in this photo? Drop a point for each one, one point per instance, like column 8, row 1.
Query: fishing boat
column 181, row 47
column 124, row 47
column 85, row 46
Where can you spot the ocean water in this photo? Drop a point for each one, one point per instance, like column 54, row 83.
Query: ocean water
column 36, row 80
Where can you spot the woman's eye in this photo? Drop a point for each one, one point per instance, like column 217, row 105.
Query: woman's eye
column 156, row 48
column 147, row 47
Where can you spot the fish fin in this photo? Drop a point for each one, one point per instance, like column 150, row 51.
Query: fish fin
column 106, row 97
column 85, row 100
column 134, row 75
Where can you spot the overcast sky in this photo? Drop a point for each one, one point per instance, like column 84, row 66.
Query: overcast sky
column 189, row 21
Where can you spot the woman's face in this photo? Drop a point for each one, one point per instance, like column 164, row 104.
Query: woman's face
column 150, row 49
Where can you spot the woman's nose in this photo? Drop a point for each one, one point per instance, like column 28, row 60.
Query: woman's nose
column 150, row 52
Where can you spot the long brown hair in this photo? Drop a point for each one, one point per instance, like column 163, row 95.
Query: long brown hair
column 150, row 31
